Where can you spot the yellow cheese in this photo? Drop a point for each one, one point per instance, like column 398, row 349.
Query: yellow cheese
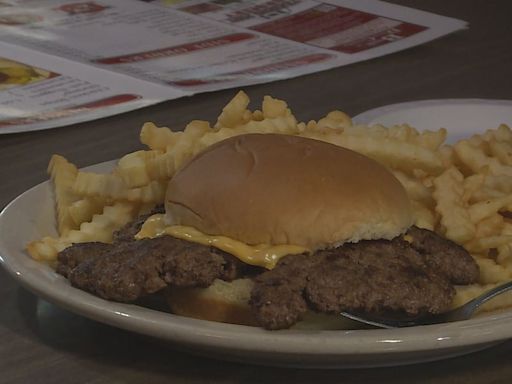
column 262, row 255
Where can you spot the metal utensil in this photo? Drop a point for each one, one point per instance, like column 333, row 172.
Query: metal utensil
column 461, row 313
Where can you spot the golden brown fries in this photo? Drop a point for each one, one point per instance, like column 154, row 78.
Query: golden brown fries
column 63, row 175
column 100, row 228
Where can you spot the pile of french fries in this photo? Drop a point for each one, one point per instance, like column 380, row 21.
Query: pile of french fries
column 462, row 191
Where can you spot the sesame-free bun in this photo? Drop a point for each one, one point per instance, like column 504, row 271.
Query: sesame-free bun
column 225, row 302
column 281, row 189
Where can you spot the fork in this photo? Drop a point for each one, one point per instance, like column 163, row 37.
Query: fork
column 463, row 312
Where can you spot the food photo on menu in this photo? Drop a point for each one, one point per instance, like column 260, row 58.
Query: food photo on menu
column 242, row 230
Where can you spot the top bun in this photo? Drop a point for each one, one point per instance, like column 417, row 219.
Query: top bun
column 281, row 189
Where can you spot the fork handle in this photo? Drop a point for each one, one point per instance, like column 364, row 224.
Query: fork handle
column 485, row 297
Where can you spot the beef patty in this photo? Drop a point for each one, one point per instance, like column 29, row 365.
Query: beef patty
column 126, row 271
column 413, row 277
column 444, row 256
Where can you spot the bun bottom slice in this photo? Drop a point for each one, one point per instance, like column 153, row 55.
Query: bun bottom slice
column 228, row 302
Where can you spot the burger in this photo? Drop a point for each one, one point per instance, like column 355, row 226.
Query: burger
column 266, row 229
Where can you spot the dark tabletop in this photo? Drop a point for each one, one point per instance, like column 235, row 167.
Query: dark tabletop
column 41, row 343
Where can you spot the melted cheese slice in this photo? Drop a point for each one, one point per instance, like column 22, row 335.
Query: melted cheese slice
column 262, row 255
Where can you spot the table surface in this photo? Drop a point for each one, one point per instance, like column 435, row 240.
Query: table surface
column 41, row 343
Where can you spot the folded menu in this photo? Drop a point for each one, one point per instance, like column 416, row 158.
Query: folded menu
column 63, row 62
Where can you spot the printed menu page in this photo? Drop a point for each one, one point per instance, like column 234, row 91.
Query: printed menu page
column 66, row 61
column 39, row 91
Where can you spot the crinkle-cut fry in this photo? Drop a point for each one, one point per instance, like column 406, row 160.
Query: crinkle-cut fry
column 499, row 183
column 484, row 209
column 491, row 272
column 486, row 194
column 432, row 140
column 466, row 293
column 421, row 175
column 472, row 184
column 63, row 174
column 84, row 209
column 158, row 138
column 47, row 248
column 454, row 217
column 138, row 169
column 502, row 133
column 502, row 150
column 100, row 228
column 322, row 127
column 504, row 256
column 416, row 190
column 161, row 167
column 214, row 137
column 428, row 181
column 273, row 108
column 132, row 168
column 99, row 185
column 184, row 149
column 475, row 159
column 402, row 132
column 341, row 117
column 477, row 141
column 404, row 156
column 113, row 187
column 447, row 155
column 257, row 115
column 195, row 129
column 376, row 131
column 507, row 229
column 490, row 226
column 234, row 113
column 287, row 125
column 478, row 245
column 334, row 120
column 154, row 192
column 423, row 216
column 283, row 124
column 390, row 152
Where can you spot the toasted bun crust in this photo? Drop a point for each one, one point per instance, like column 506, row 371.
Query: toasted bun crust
column 228, row 302
column 281, row 189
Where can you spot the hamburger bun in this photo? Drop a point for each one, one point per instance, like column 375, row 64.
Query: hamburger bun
column 280, row 189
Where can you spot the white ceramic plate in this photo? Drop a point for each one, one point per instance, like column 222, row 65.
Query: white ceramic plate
column 31, row 216
column 461, row 117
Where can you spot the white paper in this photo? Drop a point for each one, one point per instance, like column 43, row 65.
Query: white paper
column 163, row 50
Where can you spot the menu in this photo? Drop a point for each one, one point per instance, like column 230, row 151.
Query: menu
column 63, row 62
